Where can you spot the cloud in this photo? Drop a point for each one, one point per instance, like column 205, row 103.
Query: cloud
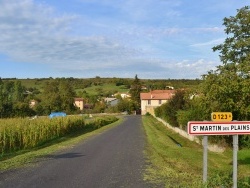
column 33, row 33
column 189, row 68
column 148, row 68
column 140, row 10
column 209, row 43
column 106, row 46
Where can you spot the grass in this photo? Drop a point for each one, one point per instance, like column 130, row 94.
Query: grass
column 93, row 90
column 174, row 161
column 29, row 157
column 244, row 162
column 34, row 83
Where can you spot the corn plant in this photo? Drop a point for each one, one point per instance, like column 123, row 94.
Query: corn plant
column 19, row 134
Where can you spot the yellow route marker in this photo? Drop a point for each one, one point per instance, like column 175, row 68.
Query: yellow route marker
column 221, row 116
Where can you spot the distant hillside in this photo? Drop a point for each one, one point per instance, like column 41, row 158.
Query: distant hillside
column 109, row 85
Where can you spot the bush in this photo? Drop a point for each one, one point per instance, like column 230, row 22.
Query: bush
column 168, row 111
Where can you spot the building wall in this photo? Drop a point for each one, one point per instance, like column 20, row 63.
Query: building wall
column 114, row 102
column 143, row 107
column 79, row 104
column 150, row 105
column 33, row 103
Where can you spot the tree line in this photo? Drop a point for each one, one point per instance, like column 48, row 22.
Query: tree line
column 15, row 99
column 58, row 95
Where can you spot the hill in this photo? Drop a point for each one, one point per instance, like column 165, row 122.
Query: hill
column 94, row 86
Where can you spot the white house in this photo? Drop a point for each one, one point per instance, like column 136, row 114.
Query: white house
column 153, row 99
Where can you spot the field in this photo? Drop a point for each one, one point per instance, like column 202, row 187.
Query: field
column 177, row 162
column 19, row 134
column 104, row 88
column 30, row 156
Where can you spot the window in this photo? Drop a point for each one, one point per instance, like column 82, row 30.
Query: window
column 160, row 101
column 149, row 102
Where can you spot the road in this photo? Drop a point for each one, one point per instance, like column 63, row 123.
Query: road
column 111, row 159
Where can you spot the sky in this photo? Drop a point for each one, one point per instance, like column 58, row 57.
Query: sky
column 153, row 39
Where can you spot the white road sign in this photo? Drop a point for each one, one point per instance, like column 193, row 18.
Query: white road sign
column 218, row 128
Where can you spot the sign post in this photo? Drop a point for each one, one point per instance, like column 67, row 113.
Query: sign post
column 235, row 163
column 205, row 143
column 221, row 124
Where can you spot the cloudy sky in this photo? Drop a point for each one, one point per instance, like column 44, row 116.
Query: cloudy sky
column 111, row 38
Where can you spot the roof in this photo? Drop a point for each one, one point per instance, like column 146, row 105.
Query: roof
column 157, row 95
column 163, row 91
column 110, row 99
column 79, row 99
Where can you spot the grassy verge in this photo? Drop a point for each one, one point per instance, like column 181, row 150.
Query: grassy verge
column 28, row 157
column 177, row 162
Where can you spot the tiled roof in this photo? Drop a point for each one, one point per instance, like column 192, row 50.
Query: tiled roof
column 157, row 95
column 79, row 99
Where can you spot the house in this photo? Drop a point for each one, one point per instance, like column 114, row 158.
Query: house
column 169, row 87
column 123, row 95
column 33, row 103
column 111, row 101
column 143, row 87
column 153, row 99
column 79, row 103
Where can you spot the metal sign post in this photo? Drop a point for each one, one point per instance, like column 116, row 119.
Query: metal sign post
column 235, row 151
column 205, row 141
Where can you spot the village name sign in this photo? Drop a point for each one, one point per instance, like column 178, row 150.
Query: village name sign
column 221, row 124
column 218, row 128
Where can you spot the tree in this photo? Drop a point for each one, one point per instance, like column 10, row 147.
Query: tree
column 67, row 96
column 18, row 95
column 236, row 46
column 227, row 88
column 169, row 110
column 126, row 105
column 51, row 100
column 1, row 98
column 6, row 101
column 135, row 91
column 193, row 110
column 58, row 96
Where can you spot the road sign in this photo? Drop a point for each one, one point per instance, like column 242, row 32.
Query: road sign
column 218, row 128
column 221, row 116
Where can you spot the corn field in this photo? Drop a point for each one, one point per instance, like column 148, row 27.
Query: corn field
column 19, row 134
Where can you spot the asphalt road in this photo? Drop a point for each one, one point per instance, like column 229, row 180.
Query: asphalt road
column 110, row 160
